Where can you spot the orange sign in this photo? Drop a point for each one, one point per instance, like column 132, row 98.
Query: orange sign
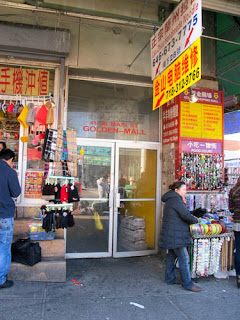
column 27, row 82
column 180, row 75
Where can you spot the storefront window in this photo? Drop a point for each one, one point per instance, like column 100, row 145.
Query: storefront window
column 112, row 111
column 20, row 128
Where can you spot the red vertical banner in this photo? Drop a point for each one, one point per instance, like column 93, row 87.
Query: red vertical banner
column 170, row 121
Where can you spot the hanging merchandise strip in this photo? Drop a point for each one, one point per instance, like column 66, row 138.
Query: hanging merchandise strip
column 60, row 148
column 26, row 112
column 210, row 254
column 60, row 190
column 58, row 218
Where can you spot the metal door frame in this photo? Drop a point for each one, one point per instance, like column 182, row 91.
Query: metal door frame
column 108, row 144
column 113, row 210
column 136, row 145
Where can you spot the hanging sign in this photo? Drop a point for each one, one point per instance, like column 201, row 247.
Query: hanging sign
column 26, row 82
column 182, row 28
column 97, row 160
column 201, row 147
column 182, row 74
column 33, row 185
column 203, row 95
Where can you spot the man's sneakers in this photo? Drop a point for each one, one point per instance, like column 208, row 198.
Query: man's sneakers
column 195, row 289
column 7, row 284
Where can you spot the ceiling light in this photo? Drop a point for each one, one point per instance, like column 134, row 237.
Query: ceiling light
column 193, row 97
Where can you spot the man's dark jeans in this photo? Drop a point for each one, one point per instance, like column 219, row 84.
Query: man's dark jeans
column 237, row 253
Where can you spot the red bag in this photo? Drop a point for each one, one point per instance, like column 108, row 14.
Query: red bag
column 34, row 154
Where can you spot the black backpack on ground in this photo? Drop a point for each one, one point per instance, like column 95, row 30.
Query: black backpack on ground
column 26, row 252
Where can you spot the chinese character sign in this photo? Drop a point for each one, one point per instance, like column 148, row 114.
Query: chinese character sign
column 212, row 117
column 201, row 121
column 203, row 95
column 201, row 147
column 183, row 73
column 170, row 122
column 19, row 81
column 191, row 120
column 182, row 28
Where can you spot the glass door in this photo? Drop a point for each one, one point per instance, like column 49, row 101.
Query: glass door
column 137, row 204
column 91, row 237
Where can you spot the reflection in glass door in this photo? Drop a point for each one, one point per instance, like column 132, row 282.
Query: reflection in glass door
column 136, row 200
column 118, row 211
column 92, row 234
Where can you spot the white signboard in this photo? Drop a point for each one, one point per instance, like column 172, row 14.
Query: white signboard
column 179, row 31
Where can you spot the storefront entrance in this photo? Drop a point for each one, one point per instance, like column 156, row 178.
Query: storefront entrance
column 119, row 209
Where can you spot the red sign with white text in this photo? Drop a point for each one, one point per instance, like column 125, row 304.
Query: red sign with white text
column 170, row 121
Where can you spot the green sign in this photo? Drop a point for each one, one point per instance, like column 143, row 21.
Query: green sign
column 97, row 160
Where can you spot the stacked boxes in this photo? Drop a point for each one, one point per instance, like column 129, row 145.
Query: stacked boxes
column 132, row 233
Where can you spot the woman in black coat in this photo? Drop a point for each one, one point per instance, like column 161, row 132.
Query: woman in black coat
column 175, row 235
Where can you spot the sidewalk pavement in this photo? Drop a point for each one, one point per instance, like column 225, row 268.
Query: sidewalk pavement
column 109, row 288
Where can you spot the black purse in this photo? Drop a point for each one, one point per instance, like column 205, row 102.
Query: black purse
column 26, row 252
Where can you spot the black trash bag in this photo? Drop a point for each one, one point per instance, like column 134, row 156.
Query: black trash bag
column 26, row 252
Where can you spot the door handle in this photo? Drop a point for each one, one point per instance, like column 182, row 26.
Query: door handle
column 118, row 200
column 110, row 199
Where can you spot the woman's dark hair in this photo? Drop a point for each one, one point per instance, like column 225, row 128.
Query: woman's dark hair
column 3, row 144
column 176, row 185
column 7, row 154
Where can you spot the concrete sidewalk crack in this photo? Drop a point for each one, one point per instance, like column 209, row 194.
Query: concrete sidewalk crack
column 180, row 309
column 44, row 299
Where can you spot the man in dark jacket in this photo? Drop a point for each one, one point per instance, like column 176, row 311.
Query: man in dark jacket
column 9, row 188
column 175, row 235
column 234, row 207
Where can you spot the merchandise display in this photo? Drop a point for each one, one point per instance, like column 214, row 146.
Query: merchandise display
column 210, row 254
column 210, row 201
column 10, row 129
column 58, row 217
column 60, row 151
column 201, row 171
column 217, row 218
column 212, row 237
column 60, row 189
column 231, row 174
